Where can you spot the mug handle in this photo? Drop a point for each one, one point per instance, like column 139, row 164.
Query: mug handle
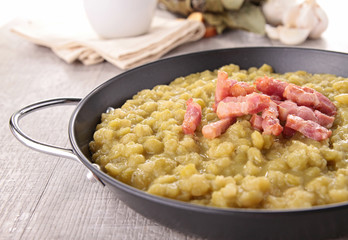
column 40, row 146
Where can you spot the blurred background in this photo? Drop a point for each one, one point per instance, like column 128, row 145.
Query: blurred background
column 9, row 10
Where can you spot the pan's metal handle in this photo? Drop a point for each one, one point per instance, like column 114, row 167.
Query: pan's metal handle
column 36, row 145
column 40, row 146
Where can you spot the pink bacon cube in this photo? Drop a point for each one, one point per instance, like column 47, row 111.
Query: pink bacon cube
column 192, row 117
column 215, row 129
column 308, row 128
column 238, row 106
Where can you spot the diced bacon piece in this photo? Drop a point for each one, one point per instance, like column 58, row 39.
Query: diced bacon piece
column 309, row 97
column 256, row 122
column 271, row 110
column 228, row 87
column 306, row 113
column 325, row 105
column 288, row 107
column 298, row 95
column 323, row 119
column 241, row 89
column 256, row 102
column 238, row 106
column 271, row 86
column 308, row 128
column 270, row 121
column 223, row 86
column 222, row 89
column 192, row 117
column 215, row 129
column 285, row 108
column 271, row 126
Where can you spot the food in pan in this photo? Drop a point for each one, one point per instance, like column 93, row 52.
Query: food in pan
column 233, row 138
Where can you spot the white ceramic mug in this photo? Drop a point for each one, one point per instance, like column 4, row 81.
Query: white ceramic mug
column 120, row 18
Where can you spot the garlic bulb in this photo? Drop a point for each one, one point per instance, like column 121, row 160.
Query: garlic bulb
column 292, row 36
column 299, row 22
column 300, row 16
column 287, row 35
column 321, row 25
column 274, row 10
column 272, row 32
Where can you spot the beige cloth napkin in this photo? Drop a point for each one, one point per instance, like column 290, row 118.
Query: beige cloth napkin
column 77, row 41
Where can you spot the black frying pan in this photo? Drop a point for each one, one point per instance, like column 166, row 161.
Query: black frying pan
column 313, row 223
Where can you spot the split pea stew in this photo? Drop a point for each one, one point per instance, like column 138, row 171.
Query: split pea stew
column 243, row 165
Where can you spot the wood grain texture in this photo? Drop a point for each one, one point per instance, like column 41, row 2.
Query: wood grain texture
column 47, row 197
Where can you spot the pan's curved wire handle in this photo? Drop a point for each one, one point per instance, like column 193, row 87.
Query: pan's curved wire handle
column 43, row 147
column 36, row 145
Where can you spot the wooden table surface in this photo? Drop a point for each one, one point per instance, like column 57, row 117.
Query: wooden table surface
column 48, row 197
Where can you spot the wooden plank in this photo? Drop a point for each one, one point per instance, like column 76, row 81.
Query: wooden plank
column 74, row 208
